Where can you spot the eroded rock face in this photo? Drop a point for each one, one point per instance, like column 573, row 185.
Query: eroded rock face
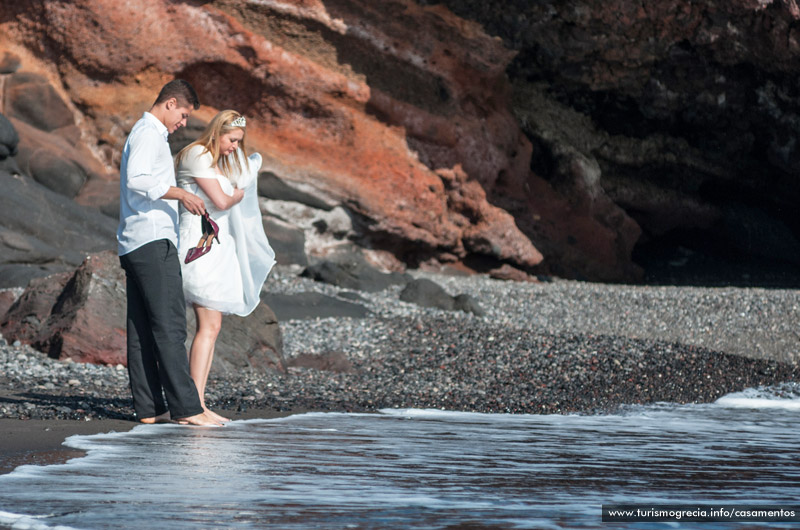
column 363, row 102
column 624, row 123
column 42, row 232
column 679, row 113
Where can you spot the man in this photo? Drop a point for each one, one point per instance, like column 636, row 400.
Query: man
column 147, row 246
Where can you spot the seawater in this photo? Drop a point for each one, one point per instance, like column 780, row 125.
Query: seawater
column 421, row 469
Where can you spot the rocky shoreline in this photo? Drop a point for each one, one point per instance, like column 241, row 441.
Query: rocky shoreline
column 552, row 347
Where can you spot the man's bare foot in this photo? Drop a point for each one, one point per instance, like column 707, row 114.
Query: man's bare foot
column 161, row 418
column 200, row 419
column 213, row 415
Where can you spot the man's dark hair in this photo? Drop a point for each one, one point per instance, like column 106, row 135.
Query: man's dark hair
column 180, row 90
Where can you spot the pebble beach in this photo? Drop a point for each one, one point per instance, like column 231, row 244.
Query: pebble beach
column 549, row 347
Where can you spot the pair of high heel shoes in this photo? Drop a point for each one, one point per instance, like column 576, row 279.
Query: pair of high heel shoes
column 210, row 233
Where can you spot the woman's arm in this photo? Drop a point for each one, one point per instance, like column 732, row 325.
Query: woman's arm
column 221, row 200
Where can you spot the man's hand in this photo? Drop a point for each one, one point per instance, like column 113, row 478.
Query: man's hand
column 193, row 203
column 190, row 201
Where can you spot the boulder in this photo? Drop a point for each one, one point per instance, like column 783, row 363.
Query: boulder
column 351, row 271
column 46, row 230
column 507, row 272
column 56, row 173
column 9, row 63
column 53, row 161
column 331, row 361
column 302, row 306
column 81, row 315
column 186, row 135
column 7, row 299
column 28, row 315
column 325, row 231
column 8, row 138
column 87, row 322
column 271, row 186
column 288, row 241
column 8, row 146
column 31, row 98
column 253, row 342
column 18, row 275
column 468, row 304
column 427, row 293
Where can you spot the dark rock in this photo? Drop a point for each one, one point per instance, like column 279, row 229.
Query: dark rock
column 61, row 158
column 39, row 226
column 9, row 63
column 427, row 293
column 252, row 342
column 288, row 241
column 25, row 318
column 351, row 295
column 56, row 173
column 82, row 318
column 186, row 135
column 332, row 361
column 101, row 194
column 20, row 274
column 687, row 122
column 71, row 133
column 9, row 165
column 7, row 299
column 468, row 304
column 312, row 305
column 31, row 98
column 8, row 138
column 273, row 187
column 507, row 272
column 752, row 231
column 81, row 315
column 353, row 272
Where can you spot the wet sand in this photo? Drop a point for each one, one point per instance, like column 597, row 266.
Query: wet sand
column 41, row 442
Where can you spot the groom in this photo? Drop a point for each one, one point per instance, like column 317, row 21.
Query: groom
column 147, row 238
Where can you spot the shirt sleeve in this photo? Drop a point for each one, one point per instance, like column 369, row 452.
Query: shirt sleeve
column 197, row 164
column 141, row 176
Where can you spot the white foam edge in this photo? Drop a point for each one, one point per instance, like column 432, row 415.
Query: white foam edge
column 19, row 521
column 741, row 402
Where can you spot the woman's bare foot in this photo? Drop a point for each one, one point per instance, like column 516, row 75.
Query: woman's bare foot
column 161, row 418
column 200, row 419
column 213, row 415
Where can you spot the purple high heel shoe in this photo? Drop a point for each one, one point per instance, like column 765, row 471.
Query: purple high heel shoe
column 210, row 233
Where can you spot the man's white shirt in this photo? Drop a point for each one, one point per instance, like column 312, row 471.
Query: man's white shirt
column 147, row 172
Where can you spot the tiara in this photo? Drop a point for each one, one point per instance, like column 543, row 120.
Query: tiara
column 239, row 122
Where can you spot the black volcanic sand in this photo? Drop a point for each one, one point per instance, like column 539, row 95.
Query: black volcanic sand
column 419, row 363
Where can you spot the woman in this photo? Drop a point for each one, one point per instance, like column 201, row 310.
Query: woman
column 224, row 273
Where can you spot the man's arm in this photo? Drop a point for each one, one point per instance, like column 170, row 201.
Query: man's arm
column 190, row 201
column 140, row 178
column 139, row 175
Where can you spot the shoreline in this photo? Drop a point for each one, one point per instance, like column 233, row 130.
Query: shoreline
column 541, row 348
column 41, row 442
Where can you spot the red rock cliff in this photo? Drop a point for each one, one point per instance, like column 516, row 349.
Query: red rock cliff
column 399, row 113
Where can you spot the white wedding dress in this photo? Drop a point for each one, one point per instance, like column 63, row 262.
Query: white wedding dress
column 229, row 278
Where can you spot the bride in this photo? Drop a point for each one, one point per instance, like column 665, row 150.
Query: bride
column 224, row 272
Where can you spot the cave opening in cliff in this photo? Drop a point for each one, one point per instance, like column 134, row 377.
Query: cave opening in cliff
column 700, row 257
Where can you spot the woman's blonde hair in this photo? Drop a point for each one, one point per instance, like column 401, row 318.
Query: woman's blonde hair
column 221, row 124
